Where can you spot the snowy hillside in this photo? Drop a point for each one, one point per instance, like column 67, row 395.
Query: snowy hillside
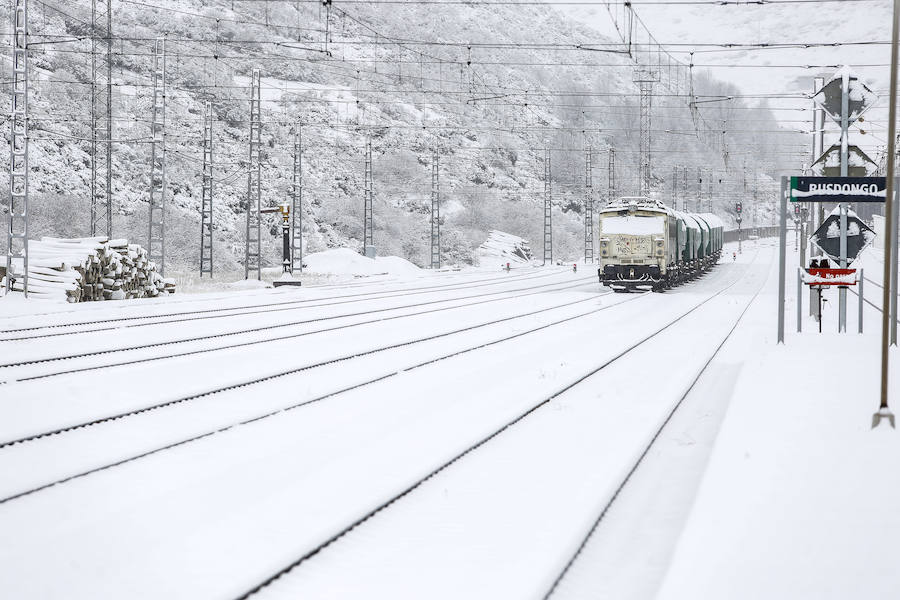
column 489, row 108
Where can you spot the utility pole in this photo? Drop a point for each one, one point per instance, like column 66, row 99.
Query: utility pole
column 818, row 149
column 101, row 118
column 845, row 158
column 889, row 294
column 435, row 211
column 156, row 241
column 206, row 202
column 645, row 77
column 368, row 220
column 17, row 233
column 611, row 176
column 699, row 189
column 684, row 188
column 895, row 226
column 253, row 234
column 548, row 216
column 675, row 187
column 588, row 207
column 297, row 198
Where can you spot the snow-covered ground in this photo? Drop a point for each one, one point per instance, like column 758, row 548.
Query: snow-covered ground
column 478, row 434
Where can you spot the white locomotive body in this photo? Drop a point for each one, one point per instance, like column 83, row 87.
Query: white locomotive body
column 646, row 245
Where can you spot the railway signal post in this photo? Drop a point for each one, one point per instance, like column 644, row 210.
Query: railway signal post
column 287, row 266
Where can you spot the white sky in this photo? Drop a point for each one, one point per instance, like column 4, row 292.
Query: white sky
column 759, row 71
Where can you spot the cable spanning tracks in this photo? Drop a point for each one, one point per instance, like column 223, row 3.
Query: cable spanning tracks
column 381, row 376
column 866, row 300
column 269, row 306
column 493, row 435
column 505, row 295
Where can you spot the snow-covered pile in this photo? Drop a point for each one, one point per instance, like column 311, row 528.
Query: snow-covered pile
column 94, row 268
column 504, row 247
column 343, row 261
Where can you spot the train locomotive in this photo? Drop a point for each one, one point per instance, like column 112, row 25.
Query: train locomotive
column 644, row 245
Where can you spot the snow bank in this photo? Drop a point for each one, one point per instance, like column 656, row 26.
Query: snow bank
column 504, row 247
column 343, row 261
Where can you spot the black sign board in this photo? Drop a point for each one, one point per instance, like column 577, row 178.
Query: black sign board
column 828, row 237
column 837, row 189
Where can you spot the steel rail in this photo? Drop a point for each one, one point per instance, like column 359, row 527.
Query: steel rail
column 391, row 373
column 245, row 310
column 471, row 448
column 264, row 328
column 649, row 445
column 291, row 371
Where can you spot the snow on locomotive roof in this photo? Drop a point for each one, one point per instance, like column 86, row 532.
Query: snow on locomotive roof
column 635, row 203
column 632, row 225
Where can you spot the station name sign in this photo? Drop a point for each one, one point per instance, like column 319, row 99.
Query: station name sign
column 837, row 189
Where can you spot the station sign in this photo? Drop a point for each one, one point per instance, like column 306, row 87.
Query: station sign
column 837, row 189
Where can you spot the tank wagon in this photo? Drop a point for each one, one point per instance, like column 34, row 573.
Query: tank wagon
column 646, row 245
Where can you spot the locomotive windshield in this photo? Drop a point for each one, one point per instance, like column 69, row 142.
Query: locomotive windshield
column 632, row 225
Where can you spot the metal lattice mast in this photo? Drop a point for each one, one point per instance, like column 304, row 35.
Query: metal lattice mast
column 17, row 233
column 611, row 176
column 156, row 241
column 675, row 187
column 548, row 216
column 101, row 118
column 297, row 200
column 588, row 207
column 254, row 184
column 645, row 77
column 368, row 222
column 435, row 211
column 699, row 189
column 206, row 206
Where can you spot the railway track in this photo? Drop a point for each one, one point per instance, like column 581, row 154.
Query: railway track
column 242, row 311
column 307, row 367
column 646, row 449
column 504, row 295
column 390, row 373
column 185, row 299
column 482, row 441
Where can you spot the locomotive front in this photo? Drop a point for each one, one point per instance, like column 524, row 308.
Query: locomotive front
column 634, row 244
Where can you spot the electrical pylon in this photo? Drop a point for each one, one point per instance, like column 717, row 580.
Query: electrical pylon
column 206, row 206
column 254, row 184
column 156, row 240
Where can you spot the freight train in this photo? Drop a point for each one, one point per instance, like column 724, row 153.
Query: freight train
column 644, row 245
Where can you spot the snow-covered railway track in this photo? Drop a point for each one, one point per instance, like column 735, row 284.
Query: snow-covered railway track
column 484, row 441
column 9, row 490
column 281, row 480
column 706, row 360
column 166, row 318
column 55, row 358
column 306, row 367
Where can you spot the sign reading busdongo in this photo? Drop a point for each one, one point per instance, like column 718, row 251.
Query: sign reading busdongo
column 837, row 189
